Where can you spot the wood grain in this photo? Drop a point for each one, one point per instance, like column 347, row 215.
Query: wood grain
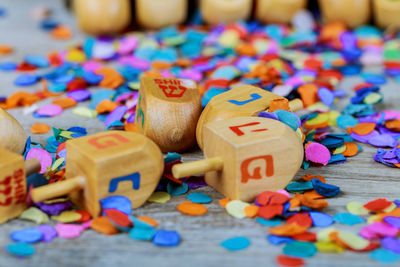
column 361, row 179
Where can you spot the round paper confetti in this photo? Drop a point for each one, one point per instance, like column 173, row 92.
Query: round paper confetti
column 28, row 235
column 20, row 249
column 199, row 198
column 236, row 243
column 166, row 238
column 193, row 209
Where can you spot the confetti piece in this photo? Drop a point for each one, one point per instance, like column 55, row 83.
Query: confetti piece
column 20, row 249
column 50, row 110
column 321, row 219
column 287, row 229
column 199, row 198
column 159, row 197
column 48, row 231
column 28, row 235
column 288, row 261
column 328, row 247
column 148, row 220
column 300, row 249
column 35, row 215
column 118, row 217
column 235, row 208
column 377, row 204
column 142, row 233
column 42, row 155
column 236, row 243
column 317, row 153
column 324, row 189
column 193, row 209
column 348, row 218
column 384, row 256
column 177, row 190
column 67, row 217
column 356, row 208
column 68, row 231
column 120, row 203
column 301, row 219
column 40, row 128
column 103, row 225
column 166, row 238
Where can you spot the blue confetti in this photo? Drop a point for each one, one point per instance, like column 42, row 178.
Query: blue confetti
column 28, row 235
column 236, row 243
column 25, row 80
column 277, row 240
column 300, row 249
column 299, row 186
column 384, row 256
column 265, row 222
column 177, row 189
column 166, row 238
column 324, row 189
column 20, row 249
column 120, row 203
column 288, row 118
column 199, row 198
column 142, row 233
column 321, row 219
column 348, row 218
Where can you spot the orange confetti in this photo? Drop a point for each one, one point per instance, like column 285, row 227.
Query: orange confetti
column 40, row 128
column 308, row 93
column 246, row 50
column 20, row 98
column 288, row 229
column 130, row 127
column 313, row 195
column 363, row 128
column 148, row 220
column 61, row 33
column 312, row 203
column 5, row 50
column 280, row 103
column 251, row 211
column 103, row 226
column 160, row 65
column 223, row 202
column 393, row 125
column 351, row 149
column 193, row 209
column 66, row 102
column 106, row 106
column 309, row 177
column 111, row 78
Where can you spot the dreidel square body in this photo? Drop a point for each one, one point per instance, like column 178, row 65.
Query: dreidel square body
column 113, row 163
column 258, row 154
column 12, row 185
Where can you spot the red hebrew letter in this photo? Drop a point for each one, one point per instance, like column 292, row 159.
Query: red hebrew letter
column 239, row 132
column 173, row 90
column 108, row 140
column 260, row 162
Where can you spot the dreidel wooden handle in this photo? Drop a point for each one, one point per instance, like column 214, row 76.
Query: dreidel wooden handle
column 32, row 166
column 296, row 105
column 197, row 167
column 57, row 189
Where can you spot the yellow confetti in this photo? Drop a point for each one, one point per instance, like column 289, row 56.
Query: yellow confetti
column 390, row 208
column 76, row 55
column 333, row 115
column 352, row 240
column 35, row 215
column 357, row 208
column 328, row 247
column 321, row 118
column 85, row 112
column 229, row 38
column 374, row 218
column 67, row 217
column 319, row 106
column 323, row 235
column 159, row 197
column 57, row 164
column 372, row 98
column 236, row 208
column 339, row 150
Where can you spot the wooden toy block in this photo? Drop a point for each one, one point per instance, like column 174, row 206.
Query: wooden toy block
column 103, row 17
column 353, row 13
column 216, row 12
column 156, row 14
column 13, row 183
column 106, row 164
column 386, row 13
column 246, row 156
column 244, row 100
column 12, row 134
column 167, row 112
column 278, row 11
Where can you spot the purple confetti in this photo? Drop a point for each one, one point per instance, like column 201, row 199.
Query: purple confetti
column 115, row 115
column 54, row 208
column 393, row 221
column 79, row 95
column 364, row 138
column 383, row 140
column 48, row 231
column 391, row 243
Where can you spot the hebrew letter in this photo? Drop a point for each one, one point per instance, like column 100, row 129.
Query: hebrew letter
column 254, row 97
column 107, row 140
column 173, row 90
column 239, row 132
column 134, row 178
column 265, row 162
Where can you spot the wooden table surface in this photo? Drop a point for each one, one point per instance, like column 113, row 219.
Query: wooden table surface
column 360, row 179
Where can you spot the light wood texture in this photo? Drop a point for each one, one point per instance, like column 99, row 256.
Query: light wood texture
column 243, row 100
column 12, row 135
column 156, row 14
column 258, row 154
column 386, row 13
column 278, row 11
column 215, row 12
column 106, row 164
column 353, row 13
column 168, row 111
column 197, row 167
column 360, row 179
column 103, row 17
column 12, row 185
column 32, row 166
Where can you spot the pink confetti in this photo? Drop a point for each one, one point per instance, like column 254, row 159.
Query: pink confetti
column 69, row 230
column 91, row 66
column 318, row 153
column 42, row 155
column 50, row 110
column 378, row 230
column 283, row 192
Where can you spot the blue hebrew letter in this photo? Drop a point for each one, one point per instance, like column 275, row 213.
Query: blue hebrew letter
column 134, row 178
column 241, row 103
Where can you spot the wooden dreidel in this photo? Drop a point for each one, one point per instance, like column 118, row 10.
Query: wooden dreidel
column 13, row 170
column 245, row 156
column 106, row 164
column 344, row 11
column 243, row 100
column 167, row 112
column 386, row 13
column 215, row 12
column 156, row 14
column 278, row 11
column 103, row 17
column 12, row 134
